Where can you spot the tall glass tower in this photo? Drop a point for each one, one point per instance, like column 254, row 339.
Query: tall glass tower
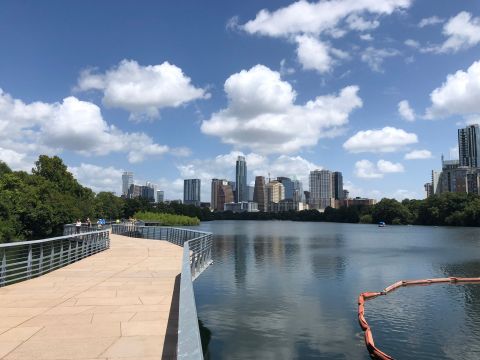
column 241, row 180
column 469, row 146
column 127, row 180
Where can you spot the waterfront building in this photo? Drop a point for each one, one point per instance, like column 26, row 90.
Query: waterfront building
column 260, row 193
column 469, row 146
column 251, row 190
column 337, row 182
column 298, row 194
column 306, row 195
column 287, row 205
column 160, row 196
column 288, row 185
column 435, row 182
column 134, row 191
column 244, row 206
column 358, row 201
column 241, row 180
column 221, row 192
column 275, row 192
column 127, row 180
column 428, row 189
column 148, row 193
column 321, row 189
column 225, row 195
column 191, row 192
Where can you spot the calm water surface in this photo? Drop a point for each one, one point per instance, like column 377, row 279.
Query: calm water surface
column 288, row 290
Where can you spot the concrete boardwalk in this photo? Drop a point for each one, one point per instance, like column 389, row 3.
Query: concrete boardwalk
column 121, row 303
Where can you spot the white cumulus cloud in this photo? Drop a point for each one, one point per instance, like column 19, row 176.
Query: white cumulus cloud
column 98, row 178
column 462, row 32
column 307, row 22
column 366, row 169
column 388, row 139
column 316, row 55
column 406, row 111
column 386, row 166
column 262, row 114
column 142, row 90
column 418, row 155
column 302, row 17
column 50, row 128
column 458, row 95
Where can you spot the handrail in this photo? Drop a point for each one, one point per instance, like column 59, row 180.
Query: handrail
column 25, row 260
column 197, row 256
column 374, row 351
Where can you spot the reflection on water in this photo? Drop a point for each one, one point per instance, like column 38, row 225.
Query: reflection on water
column 286, row 290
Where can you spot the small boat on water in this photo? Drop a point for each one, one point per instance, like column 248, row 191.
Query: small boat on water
column 381, row 224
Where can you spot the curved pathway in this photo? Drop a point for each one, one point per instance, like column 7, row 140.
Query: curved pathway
column 121, row 303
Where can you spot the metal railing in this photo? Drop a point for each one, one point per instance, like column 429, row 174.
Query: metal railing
column 197, row 256
column 71, row 229
column 28, row 259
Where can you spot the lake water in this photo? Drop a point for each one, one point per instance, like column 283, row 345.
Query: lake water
column 288, row 290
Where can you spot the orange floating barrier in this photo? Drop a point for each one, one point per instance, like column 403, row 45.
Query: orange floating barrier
column 361, row 300
column 370, row 344
column 363, row 323
column 394, row 286
column 370, row 295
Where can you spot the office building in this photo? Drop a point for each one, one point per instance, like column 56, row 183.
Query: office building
column 288, row 186
column 241, row 180
column 260, row 193
column 148, row 193
column 298, row 194
column 275, row 192
column 358, row 201
column 127, row 180
column 160, row 196
column 244, row 206
column 191, row 192
column 469, row 146
column 221, row 193
column 134, row 191
column 337, row 182
column 321, row 189
column 251, row 190
column 428, row 189
column 287, row 205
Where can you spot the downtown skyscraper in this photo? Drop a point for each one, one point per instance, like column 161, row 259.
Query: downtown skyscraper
column 127, row 180
column 241, row 180
column 469, row 146
column 260, row 193
column 191, row 192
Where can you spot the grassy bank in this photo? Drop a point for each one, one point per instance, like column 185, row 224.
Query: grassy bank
column 167, row 219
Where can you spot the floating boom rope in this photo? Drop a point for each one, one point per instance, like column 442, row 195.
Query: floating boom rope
column 374, row 351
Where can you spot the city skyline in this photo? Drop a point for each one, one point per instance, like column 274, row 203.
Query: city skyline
column 375, row 91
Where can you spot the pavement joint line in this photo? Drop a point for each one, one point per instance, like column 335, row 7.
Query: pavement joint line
column 22, row 342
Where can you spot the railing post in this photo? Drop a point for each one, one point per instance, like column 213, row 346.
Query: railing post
column 3, row 268
column 29, row 262
column 61, row 253
column 52, row 254
column 40, row 261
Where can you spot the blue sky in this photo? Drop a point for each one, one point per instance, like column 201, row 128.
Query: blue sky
column 172, row 90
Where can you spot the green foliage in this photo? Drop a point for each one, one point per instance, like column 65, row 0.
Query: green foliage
column 167, row 219
column 388, row 210
column 366, row 219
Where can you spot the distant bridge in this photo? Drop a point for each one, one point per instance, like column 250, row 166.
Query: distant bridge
column 102, row 295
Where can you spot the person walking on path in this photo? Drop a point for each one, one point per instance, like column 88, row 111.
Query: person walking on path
column 78, row 226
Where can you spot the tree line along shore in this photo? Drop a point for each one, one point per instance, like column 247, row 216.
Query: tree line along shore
column 36, row 205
